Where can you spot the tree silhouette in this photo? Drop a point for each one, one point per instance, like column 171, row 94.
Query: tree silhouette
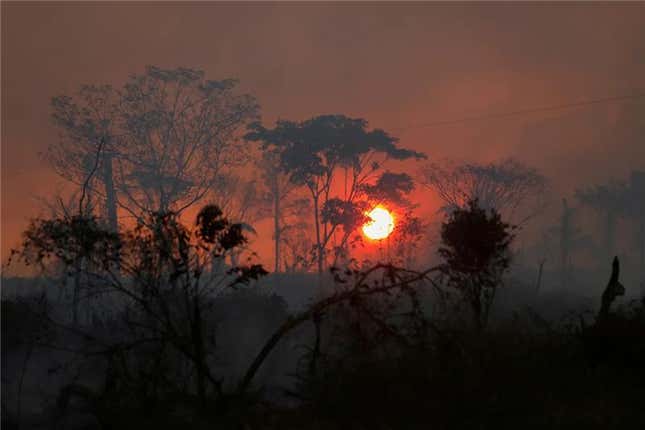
column 297, row 246
column 505, row 186
column 609, row 200
column 475, row 249
column 279, row 198
column 166, row 282
column 180, row 134
column 312, row 152
column 390, row 188
column 616, row 199
column 407, row 236
column 241, row 201
column 87, row 122
column 166, row 136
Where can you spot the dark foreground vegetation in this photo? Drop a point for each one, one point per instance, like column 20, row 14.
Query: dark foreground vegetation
column 160, row 332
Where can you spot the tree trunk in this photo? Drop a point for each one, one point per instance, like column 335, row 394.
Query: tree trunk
column 110, row 192
column 276, row 225
column 539, row 277
column 476, row 306
column 235, row 258
column 319, row 246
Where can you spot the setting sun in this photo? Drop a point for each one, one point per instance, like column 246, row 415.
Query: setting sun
column 381, row 224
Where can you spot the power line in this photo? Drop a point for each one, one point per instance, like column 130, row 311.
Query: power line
column 522, row 112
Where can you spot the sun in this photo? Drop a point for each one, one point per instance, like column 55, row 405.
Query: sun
column 381, row 224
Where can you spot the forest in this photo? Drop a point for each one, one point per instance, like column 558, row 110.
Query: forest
column 140, row 299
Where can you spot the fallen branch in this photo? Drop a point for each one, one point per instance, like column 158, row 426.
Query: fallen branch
column 360, row 289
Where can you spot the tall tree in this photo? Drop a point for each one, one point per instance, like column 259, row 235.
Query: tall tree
column 609, row 200
column 166, row 136
column 312, row 152
column 568, row 238
column 280, row 195
column 181, row 132
column 89, row 127
column 297, row 247
column 620, row 199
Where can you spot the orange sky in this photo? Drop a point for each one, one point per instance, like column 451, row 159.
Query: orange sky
column 395, row 65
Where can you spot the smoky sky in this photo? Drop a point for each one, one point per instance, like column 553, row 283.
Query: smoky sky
column 395, row 64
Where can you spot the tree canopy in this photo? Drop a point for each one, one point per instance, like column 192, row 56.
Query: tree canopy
column 313, row 151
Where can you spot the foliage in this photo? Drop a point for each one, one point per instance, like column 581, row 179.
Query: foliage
column 68, row 239
column 475, row 249
column 165, row 276
column 311, row 152
column 607, row 196
column 348, row 215
column 316, row 147
column 390, row 188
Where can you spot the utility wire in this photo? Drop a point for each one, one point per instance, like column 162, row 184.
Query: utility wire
column 522, row 112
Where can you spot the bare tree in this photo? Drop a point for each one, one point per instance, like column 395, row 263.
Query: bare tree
column 86, row 123
column 298, row 247
column 507, row 186
column 180, row 133
column 167, row 134
column 406, row 238
column 279, row 195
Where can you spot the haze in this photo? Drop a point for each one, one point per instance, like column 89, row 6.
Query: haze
column 396, row 65
column 361, row 215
